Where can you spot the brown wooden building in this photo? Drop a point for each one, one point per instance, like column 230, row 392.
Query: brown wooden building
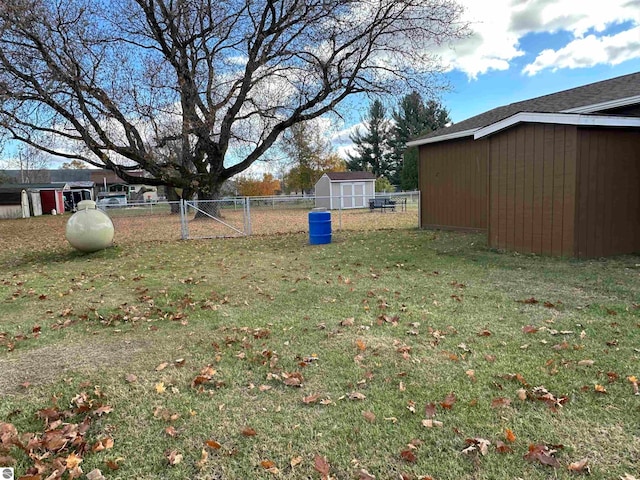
column 555, row 175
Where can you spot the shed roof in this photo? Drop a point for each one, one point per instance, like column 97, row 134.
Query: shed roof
column 594, row 97
column 346, row 176
column 34, row 186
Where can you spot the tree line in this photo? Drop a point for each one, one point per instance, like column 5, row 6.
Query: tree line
column 381, row 147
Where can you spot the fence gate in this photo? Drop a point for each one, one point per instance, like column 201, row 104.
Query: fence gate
column 214, row 218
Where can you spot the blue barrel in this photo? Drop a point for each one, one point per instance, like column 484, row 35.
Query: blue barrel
column 319, row 227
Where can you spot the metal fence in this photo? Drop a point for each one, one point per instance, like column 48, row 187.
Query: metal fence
column 243, row 216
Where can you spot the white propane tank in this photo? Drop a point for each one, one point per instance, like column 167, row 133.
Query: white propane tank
column 89, row 229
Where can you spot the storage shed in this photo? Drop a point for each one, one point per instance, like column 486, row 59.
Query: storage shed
column 344, row 190
column 14, row 203
column 555, row 175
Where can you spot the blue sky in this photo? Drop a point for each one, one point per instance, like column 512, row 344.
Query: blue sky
column 521, row 49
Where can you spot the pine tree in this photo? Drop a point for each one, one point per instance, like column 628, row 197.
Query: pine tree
column 413, row 117
column 373, row 150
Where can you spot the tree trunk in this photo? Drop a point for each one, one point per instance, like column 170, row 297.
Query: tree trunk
column 209, row 203
column 173, row 197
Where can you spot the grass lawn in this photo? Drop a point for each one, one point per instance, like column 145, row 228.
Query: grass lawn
column 386, row 354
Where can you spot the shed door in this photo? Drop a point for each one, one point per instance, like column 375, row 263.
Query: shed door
column 358, row 198
column 346, row 195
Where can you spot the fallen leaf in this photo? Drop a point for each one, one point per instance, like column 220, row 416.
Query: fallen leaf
column 357, row 396
column 249, row 432
column 448, row 401
column 347, row 322
column 542, row 454
column 509, row 435
column 430, row 410
column 472, row 375
column 160, row 388
column 500, row 402
column 529, row 329
column 131, row 378
column 501, row 447
column 171, row 431
column 408, row 456
column 431, row 423
column 528, row 301
column 581, row 466
column 162, row 366
column 311, row 399
column 267, row 464
column 364, row 475
column 599, row 388
column 586, row 363
column 369, row 416
column 361, row 345
column 321, row 465
column 522, row 394
column 94, row 474
column 103, row 444
column 173, row 457
column 295, row 461
column 484, row 333
column 72, row 461
column 213, row 444
column 479, row 444
column 204, row 457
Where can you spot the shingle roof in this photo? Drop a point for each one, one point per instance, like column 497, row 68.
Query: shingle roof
column 592, row 94
column 351, row 176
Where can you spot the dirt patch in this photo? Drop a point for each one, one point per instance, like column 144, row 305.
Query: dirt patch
column 46, row 365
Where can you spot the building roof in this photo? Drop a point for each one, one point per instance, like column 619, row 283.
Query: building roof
column 34, row 186
column 346, row 176
column 594, row 97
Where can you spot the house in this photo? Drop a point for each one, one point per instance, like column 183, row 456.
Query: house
column 343, row 190
column 554, row 175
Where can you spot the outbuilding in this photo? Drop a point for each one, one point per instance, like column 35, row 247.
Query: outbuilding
column 554, row 175
column 345, row 190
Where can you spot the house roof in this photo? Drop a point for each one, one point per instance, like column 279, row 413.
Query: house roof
column 338, row 176
column 34, row 186
column 594, row 97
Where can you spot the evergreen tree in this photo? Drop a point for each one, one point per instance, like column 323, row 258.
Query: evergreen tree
column 373, row 150
column 413, row 117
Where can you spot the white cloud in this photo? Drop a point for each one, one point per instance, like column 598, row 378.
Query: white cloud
column 497, row 32
column 589, row 51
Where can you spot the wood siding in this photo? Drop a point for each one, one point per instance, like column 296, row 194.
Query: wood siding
column 453, row 184
column 532, row 176
column 608, row 192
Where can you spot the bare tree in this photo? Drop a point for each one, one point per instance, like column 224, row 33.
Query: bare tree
column 195, row 91
column 31, row 163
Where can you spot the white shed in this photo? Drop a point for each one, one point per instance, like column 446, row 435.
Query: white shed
column 344, row 190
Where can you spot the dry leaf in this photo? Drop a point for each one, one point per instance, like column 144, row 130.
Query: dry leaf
column 369, row 416
column 357, row 396
column 448, row 401
column 431, row 423
column 213, row 444
column 131, row 378
column 509, row 435
column 581, row 466
column 586, row 363
column 73, row 461
column 162, row 366
column 361, row 345
column 321, row 465
column 408, row 456
column 160, row 388
column 94, row 474
column 173, row 457
column 171, row 431
column 295, row 461
column 311, row 399
column 249, row 432
column 522, row 394
column 599, row 388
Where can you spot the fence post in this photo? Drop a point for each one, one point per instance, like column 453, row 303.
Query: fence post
column 184, row 225
column 248, row 210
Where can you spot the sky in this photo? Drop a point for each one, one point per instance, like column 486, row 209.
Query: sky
column 522, row 49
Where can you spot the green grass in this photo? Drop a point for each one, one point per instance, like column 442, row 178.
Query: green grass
column 130, row 309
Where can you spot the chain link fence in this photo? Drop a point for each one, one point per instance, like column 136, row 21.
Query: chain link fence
column 243, row 216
